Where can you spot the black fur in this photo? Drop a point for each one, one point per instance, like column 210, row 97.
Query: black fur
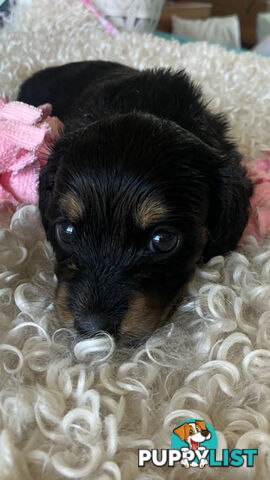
column 132, row 135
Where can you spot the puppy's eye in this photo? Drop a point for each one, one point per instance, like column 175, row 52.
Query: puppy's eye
column 165, row 240
column 65, row 232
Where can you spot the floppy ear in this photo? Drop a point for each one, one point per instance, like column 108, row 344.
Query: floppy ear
column 182, row 431
column 229, row 206
column 46, row 190
column 201, row 424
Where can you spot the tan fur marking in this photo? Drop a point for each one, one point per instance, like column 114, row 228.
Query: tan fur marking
column 61, row 308
column 142, row 318
column 72, row 206
column 150, row 212
column 145, row 314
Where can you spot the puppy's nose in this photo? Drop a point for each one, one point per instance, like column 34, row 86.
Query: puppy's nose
column 204, row 433
column 94, row 323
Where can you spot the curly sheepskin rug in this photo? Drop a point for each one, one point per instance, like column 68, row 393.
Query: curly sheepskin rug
column 73, row 409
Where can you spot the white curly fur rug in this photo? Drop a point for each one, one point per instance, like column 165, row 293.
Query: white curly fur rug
column 81, row 410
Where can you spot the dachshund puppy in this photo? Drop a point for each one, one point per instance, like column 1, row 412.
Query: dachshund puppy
column 142, row 185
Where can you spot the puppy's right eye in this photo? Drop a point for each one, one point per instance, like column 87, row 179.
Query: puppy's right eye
column 165, row 240
column 65, row 233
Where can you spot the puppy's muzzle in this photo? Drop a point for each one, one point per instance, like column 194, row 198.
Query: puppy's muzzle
column 91, row 324
column 131, row 315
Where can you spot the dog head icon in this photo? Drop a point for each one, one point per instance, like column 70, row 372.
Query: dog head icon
column 193, row 433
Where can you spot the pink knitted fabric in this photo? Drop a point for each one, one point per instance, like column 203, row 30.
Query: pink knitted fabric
column 25, row 138
column 259, row 220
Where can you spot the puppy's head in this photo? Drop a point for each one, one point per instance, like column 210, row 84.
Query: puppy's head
column 130, row 205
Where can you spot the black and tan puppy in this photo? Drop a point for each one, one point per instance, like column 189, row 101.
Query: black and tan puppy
column 142, row 185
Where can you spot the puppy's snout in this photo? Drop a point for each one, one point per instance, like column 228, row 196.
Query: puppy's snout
column 93, row 323
column 205, row 433
column 114, row 305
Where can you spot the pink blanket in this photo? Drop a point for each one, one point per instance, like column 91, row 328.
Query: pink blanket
column 26, row 133
column 259, row 220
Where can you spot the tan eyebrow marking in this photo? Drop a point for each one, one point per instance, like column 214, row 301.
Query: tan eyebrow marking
column 149, row 212
column 72, row 206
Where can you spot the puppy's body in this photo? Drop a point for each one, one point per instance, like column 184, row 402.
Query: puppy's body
column 83, row 92
column 141, row 186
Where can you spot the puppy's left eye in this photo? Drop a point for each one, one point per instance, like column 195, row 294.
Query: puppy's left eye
column 165, row 240
column 65, row 232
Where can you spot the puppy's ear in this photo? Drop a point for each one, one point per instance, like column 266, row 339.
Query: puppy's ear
column 46, row 190
column 229, row 206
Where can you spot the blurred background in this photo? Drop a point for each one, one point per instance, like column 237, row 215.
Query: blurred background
column 234, row 24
